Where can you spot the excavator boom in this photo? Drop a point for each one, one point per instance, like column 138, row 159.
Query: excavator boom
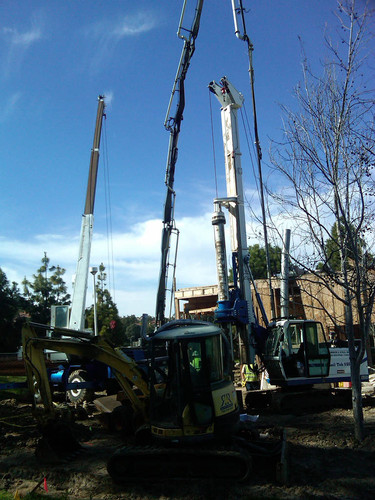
column 126, row 370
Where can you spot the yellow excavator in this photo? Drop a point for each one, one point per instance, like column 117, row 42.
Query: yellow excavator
column 180, row 412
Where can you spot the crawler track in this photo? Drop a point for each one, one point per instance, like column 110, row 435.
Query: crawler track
column 173, row 463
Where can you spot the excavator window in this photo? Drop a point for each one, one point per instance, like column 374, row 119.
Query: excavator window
column 195, row 355
column 295, row 333
column 205, row 359
column 273, row 341
column 317, row 351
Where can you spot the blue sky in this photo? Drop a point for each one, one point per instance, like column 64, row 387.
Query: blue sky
column 56, row 57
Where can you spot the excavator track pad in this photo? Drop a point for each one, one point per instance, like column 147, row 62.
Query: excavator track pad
column 136, row 463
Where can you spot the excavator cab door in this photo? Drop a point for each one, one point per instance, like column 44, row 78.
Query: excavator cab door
column 317, row 351
column 297, row 351
column 306, row 350
column 185, row 397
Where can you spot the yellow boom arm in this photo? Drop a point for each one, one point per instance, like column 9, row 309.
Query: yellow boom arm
column 127, row 372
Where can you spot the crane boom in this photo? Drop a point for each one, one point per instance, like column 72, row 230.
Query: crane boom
column 77, row 315
column 243, row 36
column 173, row 125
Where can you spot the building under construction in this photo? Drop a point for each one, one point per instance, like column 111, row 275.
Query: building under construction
column 309, row 298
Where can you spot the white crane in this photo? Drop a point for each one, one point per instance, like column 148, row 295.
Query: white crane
column 77, row 314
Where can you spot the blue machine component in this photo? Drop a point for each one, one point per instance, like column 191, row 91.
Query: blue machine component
column 229, row 311
column 235, row 309
column 98, row 375
column 56, row 377
column 13, row 385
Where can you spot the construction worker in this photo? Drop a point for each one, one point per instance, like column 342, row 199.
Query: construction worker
column 249, row 375
column 196, row 361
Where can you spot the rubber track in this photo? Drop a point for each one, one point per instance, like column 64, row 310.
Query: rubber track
column 174, row 463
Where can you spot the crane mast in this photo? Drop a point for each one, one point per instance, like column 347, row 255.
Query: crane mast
column 242, row 35
column 173, row 125
column 77, row 315
column 235, row 307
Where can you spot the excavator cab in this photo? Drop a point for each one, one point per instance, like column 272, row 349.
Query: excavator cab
column 194, row 413
column 193, row 396
column 296, row 353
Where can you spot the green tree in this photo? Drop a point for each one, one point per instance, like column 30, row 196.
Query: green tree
column 133, row 327
column 332, row 249
column 47, row 288
column 133, row 332
column 258, row 261
column 108, row 321
column 11, row 303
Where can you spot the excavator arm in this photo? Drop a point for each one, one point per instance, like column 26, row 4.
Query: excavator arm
column 127, row 372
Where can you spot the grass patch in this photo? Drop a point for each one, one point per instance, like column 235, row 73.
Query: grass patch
column 12, row 378
column 42, row 496
column 5, row 495
column 20, row 393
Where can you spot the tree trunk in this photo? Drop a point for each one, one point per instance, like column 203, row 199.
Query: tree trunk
column 359, row 432
column 355, row 370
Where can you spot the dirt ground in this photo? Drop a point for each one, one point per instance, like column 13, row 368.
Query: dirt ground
column 325, row 462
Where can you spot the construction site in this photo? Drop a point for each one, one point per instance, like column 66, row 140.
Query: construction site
column 250, row 388
column 324, row 459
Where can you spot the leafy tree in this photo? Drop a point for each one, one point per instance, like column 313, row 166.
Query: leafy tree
column 133, row 327
column 11, row 303
column 258, row 261
column 332, row 250
column 133, row 332
column 47, row 288
column 326, row 164
column 129, row 320
column 108, row 320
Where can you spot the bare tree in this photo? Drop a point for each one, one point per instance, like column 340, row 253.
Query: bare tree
column 326, row 164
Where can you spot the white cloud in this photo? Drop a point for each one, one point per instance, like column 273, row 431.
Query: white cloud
column 135, row 24
column 25, row 39
column 136, row 259
column 10, row 105
column 19, row 42
column 108, row 33
column 129, row 25
column 109, row 97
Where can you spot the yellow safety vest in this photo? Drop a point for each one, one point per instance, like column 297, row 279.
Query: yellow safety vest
column 196, row 363
column 250, row 374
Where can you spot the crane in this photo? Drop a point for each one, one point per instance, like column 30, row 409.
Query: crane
column 173, row 125
column 77, row 314
column 72, row 374
column 295, row 352
column 241, row 308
